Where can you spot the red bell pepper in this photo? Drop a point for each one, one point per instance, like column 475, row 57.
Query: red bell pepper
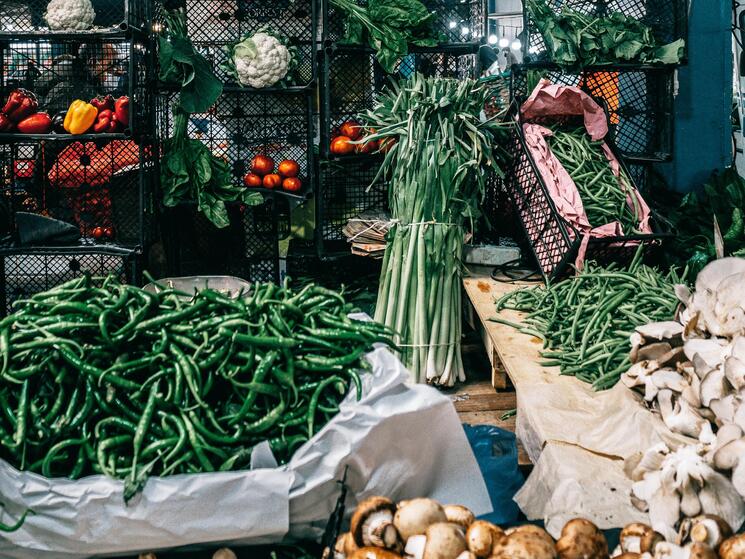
column 103, row 103
column 39, row 123
column 6, row 125
column 105, row 122
column 121, row 110
column 21, row 103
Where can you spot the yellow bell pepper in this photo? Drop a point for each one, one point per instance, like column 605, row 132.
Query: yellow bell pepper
column 80, row 117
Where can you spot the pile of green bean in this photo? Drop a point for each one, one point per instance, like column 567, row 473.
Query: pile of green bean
column 107, row 378
column 585, row 322
column 603, row 197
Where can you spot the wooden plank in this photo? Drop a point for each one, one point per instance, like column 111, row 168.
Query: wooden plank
column 499, row 379
column 499, row 402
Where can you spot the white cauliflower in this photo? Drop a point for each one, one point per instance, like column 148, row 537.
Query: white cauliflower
column 261, row 60
column 65, row 15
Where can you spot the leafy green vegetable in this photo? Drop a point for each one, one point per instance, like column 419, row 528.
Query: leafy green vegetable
column 389, row 27
column 181, row 65
column 574, row 39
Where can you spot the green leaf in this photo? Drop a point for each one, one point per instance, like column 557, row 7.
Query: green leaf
column 200, row 93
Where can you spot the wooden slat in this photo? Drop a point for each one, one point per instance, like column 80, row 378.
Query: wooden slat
column 500, row 402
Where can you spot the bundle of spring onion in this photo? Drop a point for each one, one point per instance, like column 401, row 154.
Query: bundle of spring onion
column 585, row 322
column 605, row 197
column 437, row 171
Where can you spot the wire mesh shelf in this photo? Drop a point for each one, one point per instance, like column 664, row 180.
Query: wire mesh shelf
column 60, row 71
column 212, row 24
column 100, row 188
column 639, row 103
column 239, row 127
column 668, row 20
column 29, row 271
column 33, row 18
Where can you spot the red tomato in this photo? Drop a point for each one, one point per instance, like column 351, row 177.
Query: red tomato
column 97, row 233
column 272, row 180
column 108, row 232
column 341, row 145
column 252, row 180
column 292, row 184
column 385, row 145
column 351, row 129
column 367, row 147
column 288, row 168
column 262, row 165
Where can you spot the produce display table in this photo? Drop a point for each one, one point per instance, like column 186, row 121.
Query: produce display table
column 577, row 439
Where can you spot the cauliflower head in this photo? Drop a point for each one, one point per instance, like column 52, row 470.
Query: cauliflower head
column 261, row 60
column 70, row 14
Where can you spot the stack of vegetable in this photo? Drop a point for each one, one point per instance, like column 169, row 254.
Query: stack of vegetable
column 605, row 197
column 189, row 171
column 585, row 321
column 574, row 39
column 388, row 27
column 102, row 377
column 437, row 171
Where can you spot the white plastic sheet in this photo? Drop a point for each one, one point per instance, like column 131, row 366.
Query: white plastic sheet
column 400, row 440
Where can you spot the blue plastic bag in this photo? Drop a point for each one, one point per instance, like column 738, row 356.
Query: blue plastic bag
column 496, row 453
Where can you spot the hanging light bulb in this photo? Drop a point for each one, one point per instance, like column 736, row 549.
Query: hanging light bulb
column 516, row 45
column 493, row 39
column 453, row 24
column 504, row 42
column 465, row 30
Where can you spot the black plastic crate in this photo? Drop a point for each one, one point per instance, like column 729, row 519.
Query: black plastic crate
column 238, row 127
column 639, row 103
column 111, row 16
column 346, row 189
column 61, row 70
column 28, row 271
column 102, row 188
column 553, row 241
column 668, row 20
column 247, row 248
column 351, row 79
column 458, row 21
column 213, row 24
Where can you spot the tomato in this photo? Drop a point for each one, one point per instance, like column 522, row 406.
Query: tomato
column 108, row 232
column 97, row 233
column 367, row 147
column 351, row 129
column 292, row 184
column 272, row 180
column 341, row 145
column 385, row 145
column 252, row 180
column 288, row 168
column 262, row 165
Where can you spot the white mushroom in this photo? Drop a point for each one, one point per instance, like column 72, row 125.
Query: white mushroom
column 415, row 516
column 638, row 538
column 459, row 515
column 224, row 553
column 733, row 548
column 344, row 546
column 734, row 370
column 678, row 415
column 707, row 529
column 441, row 540
column 724, row 409
column 581, row 539
column 372, row 523
column 482, row 536
column 524, row 544
column 374, row 553
column 714, row 386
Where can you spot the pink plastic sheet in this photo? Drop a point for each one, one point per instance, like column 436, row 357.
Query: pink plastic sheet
column 550, row 100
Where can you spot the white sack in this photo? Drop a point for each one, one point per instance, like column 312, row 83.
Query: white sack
column 400, row 440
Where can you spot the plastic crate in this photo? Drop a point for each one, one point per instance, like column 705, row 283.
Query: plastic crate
column 248, row 248
column 553, row 241
column 346, row 189
column 212, row 24
column 112, row 16
column 103, row 188
column 351, row 79
column 668, row 20
column 61, row 70
column 458, row 21
column 239, row 127
column 25, row 272
column 639, row 102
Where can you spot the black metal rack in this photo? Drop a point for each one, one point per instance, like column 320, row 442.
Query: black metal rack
column 100, row 185
column 668, row 20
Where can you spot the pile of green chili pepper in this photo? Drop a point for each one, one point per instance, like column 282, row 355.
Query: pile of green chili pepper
column 605, row 197
column 100, row 377
column 585, row 322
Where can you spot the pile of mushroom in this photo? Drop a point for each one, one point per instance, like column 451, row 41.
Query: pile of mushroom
column 424, row 529
column 692, row 372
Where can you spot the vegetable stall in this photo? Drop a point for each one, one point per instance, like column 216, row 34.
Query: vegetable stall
column 325, row 278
